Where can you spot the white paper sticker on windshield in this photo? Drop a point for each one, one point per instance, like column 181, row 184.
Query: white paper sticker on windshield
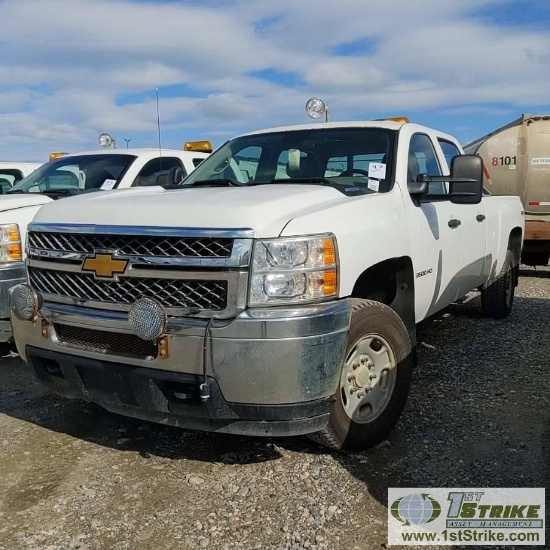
column 377, row 170
column 108, row 185
column 373, row 185
column 294, row 159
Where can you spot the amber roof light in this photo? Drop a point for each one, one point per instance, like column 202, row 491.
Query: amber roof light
column 198, row 146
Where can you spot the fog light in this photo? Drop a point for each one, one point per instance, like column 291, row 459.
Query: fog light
column 147, row 318
column 25, row 302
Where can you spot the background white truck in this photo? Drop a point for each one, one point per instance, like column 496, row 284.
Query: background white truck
column 73, row 174
column 517, row 162
column 277, row 291
column 12, row 173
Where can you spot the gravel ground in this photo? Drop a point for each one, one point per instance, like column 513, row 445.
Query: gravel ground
column 74, row 476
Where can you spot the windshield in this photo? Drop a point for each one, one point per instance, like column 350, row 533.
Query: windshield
column 345, row 158
column 71, row 175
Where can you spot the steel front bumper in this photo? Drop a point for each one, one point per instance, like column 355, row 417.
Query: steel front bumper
column 9, row 277
column 270, row 371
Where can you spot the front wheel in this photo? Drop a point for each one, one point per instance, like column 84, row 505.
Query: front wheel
column 497, row 298
column 374, row 382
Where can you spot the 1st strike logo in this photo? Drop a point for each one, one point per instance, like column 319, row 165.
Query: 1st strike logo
column 104, row 266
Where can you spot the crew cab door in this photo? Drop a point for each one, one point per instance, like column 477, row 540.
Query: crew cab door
column 473, row 231
column 435, row 236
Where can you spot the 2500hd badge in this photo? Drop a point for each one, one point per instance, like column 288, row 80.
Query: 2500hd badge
column 425, row 272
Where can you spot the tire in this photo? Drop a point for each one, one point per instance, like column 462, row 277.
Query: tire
column 497, row 299
column 377, row 337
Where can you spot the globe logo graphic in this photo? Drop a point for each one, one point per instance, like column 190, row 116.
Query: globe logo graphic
column 415, row 509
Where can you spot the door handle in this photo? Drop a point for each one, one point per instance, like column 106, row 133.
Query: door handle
column 480, row 217
column 454, row 223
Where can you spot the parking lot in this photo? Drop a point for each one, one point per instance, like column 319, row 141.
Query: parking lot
column 74, row 476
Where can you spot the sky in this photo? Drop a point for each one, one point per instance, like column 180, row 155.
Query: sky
column 71, row 69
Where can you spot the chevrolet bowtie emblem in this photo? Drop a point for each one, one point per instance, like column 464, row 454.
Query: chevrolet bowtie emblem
column 104, row 266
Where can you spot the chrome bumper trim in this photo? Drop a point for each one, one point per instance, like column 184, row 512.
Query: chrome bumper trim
column 264, row 356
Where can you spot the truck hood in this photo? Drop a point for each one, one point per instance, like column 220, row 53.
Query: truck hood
column 264, row 208
column 16, row 201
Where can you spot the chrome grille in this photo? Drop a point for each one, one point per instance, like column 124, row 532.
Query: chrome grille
column 133, row 245
column 171, row 293
column 108, row 342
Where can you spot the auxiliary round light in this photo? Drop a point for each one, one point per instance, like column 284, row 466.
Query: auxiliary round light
column 25, row 302
column 316, row 107
column 147, row 319
column 105, row 140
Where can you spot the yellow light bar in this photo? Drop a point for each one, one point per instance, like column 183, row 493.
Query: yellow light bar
column 54, row 156
column 198, row 146
column 402, row 119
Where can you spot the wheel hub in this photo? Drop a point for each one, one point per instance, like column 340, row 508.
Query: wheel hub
column 363, row 373
column 368, row 379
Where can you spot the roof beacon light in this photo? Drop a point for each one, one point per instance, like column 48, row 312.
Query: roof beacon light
column 56, row 155
column 317, row 108
column 198, row 146
column 402, row 119
column 106, row 140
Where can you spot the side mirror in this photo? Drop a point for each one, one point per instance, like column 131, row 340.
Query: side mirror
column 420, row 186
column 466, row 181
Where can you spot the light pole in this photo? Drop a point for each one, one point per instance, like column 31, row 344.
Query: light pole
column 127, row 141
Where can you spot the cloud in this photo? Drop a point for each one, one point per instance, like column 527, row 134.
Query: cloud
column 228, row 107
column 73, row 68
column 347, row 73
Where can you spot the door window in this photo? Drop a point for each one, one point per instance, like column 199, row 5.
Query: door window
column 9, row 177
column 155, row 172
column 450, row 151
column 423, row 160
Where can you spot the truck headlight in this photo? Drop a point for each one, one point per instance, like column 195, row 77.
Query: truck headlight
column 294, row 270
column 10, row 243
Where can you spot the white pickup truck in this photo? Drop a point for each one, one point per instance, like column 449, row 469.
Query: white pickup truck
column 277, row 291
column 69, row 175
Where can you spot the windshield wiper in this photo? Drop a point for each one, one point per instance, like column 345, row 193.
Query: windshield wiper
column 317, row 180
column 221, row 182
column 348, row 190
column 59, row 192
